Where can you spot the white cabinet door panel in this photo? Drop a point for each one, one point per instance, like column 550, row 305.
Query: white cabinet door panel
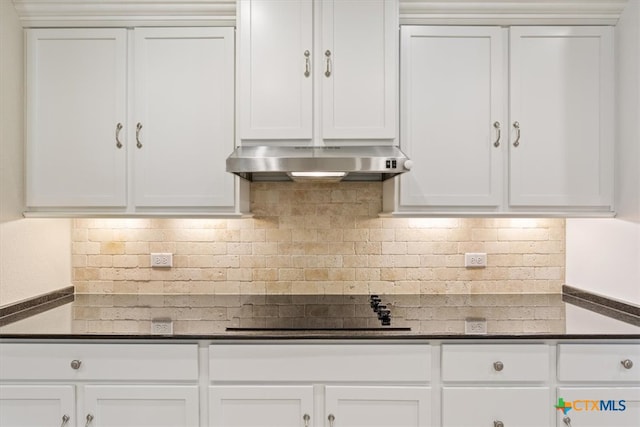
column 562, row 98
column 514, row 407
column 141, row 406
column 596, row 407
column 275, row 95
column 260, row 406
column 37, row 405
column 184, row 102
column 378, row 406
column 453, row 86
column 359, row 94
column 76, row 96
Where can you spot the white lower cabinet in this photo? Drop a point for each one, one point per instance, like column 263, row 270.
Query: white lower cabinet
column 37, row 405
column 598, row 406
column 495, row 406
column 99, row 385
column 390, row 406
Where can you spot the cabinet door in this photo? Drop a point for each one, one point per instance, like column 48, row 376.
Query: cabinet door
column 378, row 406
column 275, row 75
column 359, row 63
column 184, row 104
column 472, row 407
column 562, row 100
column 595, row 407
column 261, row 406
column 76, row 100
column 452, row 95
column 140, row 406
column 37, row 405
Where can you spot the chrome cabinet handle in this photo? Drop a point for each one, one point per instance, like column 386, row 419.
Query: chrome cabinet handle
column 567, row 421
column 328, row 55
column 89, row 419
column 498, row 366
column 138, row 129
column 496, row 125
column 516, row 126
column 75, row 364
column 628, row 364
column 307, row 63
column 331, row 419
column 118, row 129
column 498, row 424
column 306, row 419
column 65, row 420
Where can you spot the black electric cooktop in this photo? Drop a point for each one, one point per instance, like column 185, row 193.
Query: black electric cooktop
column 316, row 313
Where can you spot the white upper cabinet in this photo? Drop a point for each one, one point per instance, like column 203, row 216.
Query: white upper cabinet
column 344, row 52
column 184, row 105
column 275, row 77
column 453, row 109
column 537, row 138
column 76, row 113
column 98, row 142
column 562, row 100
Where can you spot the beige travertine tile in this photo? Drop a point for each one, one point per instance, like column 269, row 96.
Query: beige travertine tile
column 318, row 238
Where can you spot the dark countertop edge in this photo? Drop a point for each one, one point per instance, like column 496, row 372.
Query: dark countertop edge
column 610, row 307
column 323, row 337
column 31, row 306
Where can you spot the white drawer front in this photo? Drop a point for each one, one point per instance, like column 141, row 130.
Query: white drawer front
column 307, row 362
column 598, row 406
column 599, row 362
column 99, row 362
column 495, row 362
column 513, row 406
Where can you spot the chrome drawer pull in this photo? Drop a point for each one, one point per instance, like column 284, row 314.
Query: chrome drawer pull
column 75, row 364
column 118, row 129
column 628, row 364
column 496, row 125
column 331, row 419
column 328, row 55
column 498, row 366
column 516, row 126
column 65, row 420
column 306, row 419
column 307, row 63
column 89, row 419
column 498, row 424
column 567, row 421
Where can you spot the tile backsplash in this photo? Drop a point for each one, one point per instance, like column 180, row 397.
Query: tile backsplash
column 318, row 239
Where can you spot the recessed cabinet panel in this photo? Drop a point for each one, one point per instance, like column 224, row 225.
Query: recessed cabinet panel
column 598, row 406
column 261, row 406
column 452, row 94
column 140, row 406
column 275, row 75
column 359, row 69
column 561, row 116
column 184, row 117
column 76, row 117
column 37, row 405
column 598, row 362
column 378, row 406
column 472, row 407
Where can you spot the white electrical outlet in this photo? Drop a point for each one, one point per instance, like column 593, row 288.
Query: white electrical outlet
column 475, row 260
column 162, row 326
column 162, row 260
column 475, row 326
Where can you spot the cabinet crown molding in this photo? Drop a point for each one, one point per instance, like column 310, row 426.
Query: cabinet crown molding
column 122, row 13
column 118, row 13
column 511, row 12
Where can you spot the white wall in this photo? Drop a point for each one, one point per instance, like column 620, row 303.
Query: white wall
column 603, row 255
column 35, row 254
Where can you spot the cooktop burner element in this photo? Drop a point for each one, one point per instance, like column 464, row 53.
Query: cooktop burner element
column 314, row 312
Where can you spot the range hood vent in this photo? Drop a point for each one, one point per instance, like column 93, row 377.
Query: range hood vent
column 325, row 164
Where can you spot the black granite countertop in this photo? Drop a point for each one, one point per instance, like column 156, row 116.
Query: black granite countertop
column 574, row 314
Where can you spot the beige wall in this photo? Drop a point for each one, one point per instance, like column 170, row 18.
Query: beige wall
column 35, row 255
column 318, row 238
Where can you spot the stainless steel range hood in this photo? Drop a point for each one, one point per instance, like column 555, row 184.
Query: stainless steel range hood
column 331, row 163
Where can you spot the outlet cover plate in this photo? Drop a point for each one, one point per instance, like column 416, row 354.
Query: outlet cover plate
column 162, row 260
column 475, row 259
